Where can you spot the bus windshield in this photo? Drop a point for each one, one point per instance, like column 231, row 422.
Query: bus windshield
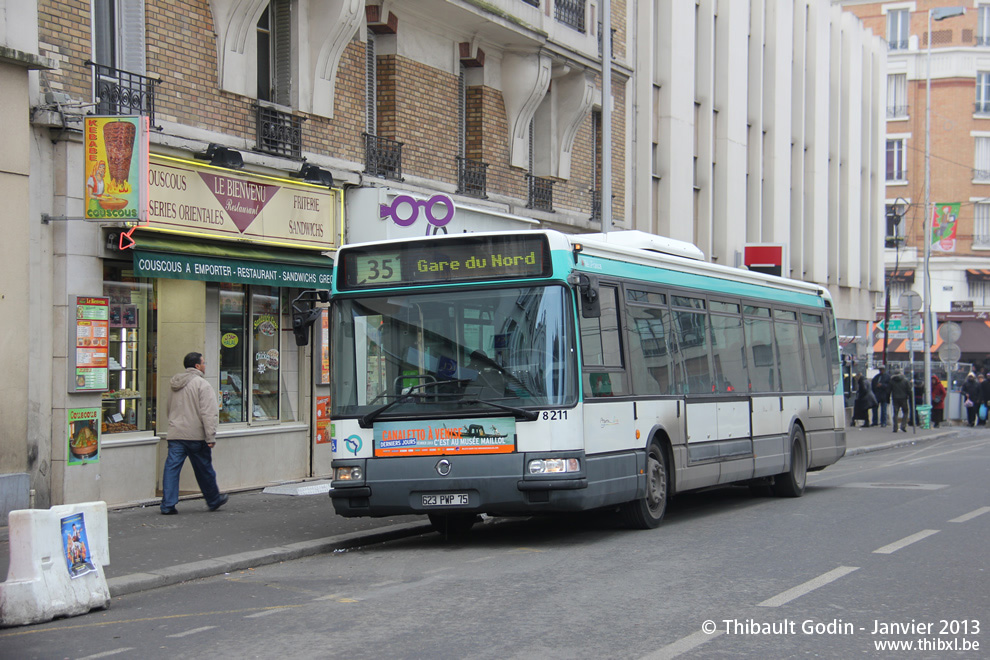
column 448, row 352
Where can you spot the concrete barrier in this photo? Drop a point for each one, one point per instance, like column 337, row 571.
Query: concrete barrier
column 57, row 557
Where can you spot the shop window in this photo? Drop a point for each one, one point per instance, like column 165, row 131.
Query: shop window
column 254, row 384
column 129, row 403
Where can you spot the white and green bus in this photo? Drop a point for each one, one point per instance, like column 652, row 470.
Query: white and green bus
column 537, row 372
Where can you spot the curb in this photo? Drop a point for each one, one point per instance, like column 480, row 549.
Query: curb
column 894, row 444
column 135, row 582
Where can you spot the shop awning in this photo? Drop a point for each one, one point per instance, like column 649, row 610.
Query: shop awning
column 171, row 257
column 901, row 275
column 978, row 274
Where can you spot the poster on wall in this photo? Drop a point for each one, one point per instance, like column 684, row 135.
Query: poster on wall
column 116, row 168
column 75, row 546
column 83, row 436
column 324, row 348
column 89, row 345
column 945, row 218
column 322, row 420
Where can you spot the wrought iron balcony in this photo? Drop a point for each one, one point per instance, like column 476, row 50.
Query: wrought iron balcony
column 278, row 133
column 382, row 157
column 982, row 40
column 472, row 177
column 897, row 111
column 121, row 92
column 982, row 107
column 596, row 204
column 570, row 12
column 983, row 176
column 897, row 45
column 540, row 193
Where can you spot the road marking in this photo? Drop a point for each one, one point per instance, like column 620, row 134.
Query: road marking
column 785, row 597
column 262, row 613
column 384, row 584
column 479, row 559
column 107, row 654
column 904, row 542
column 683, row 645
column 971, row 514
column 893, row 486
column 329, row 597
column 193, row 631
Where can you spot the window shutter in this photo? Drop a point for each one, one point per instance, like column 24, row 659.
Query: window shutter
column 282, row 38
column 461, row 115
column 130, row 21
column 371, row 85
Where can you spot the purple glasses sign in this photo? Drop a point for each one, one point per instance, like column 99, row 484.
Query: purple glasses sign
column 405, row 210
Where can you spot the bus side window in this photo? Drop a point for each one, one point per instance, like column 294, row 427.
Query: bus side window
column 601, row 348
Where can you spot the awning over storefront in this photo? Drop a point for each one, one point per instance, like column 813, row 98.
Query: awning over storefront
column 901, row 275
column 171, row 257
column 977, row 274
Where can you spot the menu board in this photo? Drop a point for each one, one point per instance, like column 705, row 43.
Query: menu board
column 324, row 348
column 323, row 431
column 89, row 345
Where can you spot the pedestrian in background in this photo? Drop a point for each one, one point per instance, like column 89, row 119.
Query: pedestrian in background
column 881, row 390
column 865, row 400
column 900, row 393
column 970, row 391
column 938, row 401
column 193, row 415
column 984, row 395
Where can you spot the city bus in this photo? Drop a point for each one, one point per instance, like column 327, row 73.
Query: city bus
column 536, row 372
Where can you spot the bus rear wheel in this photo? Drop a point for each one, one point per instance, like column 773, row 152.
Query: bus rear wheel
column 646, row 513
column 453, row 525
column 792, row 482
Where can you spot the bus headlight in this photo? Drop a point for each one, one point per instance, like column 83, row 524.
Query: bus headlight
column 554, row 465
column 348, row 473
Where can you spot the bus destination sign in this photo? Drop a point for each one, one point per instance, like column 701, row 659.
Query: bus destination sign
column 466, row 258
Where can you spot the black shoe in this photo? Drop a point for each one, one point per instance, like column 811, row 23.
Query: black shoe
column 171, row 511
column 223, row 500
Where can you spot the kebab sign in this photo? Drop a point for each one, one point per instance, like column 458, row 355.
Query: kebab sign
column 116, row 168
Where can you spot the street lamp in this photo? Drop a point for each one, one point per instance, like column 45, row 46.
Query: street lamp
column 936, row 14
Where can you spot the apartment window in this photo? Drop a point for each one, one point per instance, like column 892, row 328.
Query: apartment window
column 896, row 168
column 983, row 93
column 275, row 53
column 371, row 87
column 898, row 29
column 983, row 26
column 981, row 168
column 118, row 34
column 570, row 13
column 981, row 224
column 895, row 225
column 897, row 96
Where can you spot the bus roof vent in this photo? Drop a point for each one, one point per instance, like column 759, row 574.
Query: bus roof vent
column 640, row 240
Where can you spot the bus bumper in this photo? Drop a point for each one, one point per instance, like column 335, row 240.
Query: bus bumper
column 494, row 483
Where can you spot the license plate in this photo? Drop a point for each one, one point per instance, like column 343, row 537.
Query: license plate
column 446, row 499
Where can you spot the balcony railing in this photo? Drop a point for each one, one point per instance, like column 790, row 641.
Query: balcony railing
column 540, row 193
column 982, row 40
column 570, row 13
column 982, row 107
column 382, row 157
column 897, row 44
column 983, row 176
column 121, row 92
column 596, row 205
column 535, row 3
column 278, row 133
column 472, row 177
column 897, row 111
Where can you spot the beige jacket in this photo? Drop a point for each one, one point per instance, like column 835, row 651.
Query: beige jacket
column 192, row 409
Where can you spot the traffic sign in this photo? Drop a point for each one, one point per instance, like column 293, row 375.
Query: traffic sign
column 910, row 301
column 950, row 332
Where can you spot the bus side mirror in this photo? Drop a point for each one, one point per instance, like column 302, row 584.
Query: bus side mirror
column 587, row 286
column 304, row 313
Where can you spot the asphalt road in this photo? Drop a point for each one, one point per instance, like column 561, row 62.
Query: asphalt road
column 884, row 547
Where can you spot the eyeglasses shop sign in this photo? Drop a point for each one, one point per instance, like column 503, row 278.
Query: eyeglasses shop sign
column 263, row 209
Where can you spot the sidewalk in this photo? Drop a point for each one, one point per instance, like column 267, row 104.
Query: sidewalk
column 255, row 528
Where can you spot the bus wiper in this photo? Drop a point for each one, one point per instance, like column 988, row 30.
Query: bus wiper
column 528, row 415
column 366, row 421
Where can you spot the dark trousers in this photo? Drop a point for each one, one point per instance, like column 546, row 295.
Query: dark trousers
column 899, row 406
column 201, row 457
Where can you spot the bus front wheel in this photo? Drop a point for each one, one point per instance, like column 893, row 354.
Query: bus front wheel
column 792, row 482
column 646, row 513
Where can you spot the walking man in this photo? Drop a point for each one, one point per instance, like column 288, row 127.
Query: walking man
column 193, row 415
column 900, row 393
